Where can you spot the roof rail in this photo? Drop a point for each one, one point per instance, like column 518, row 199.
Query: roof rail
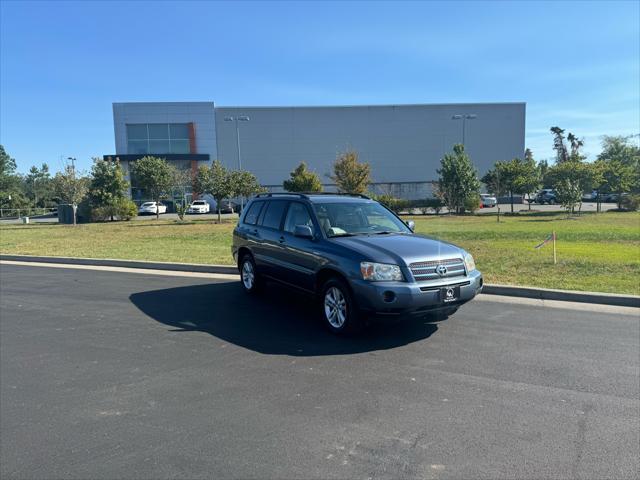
column 274, row 194
column 306, row 194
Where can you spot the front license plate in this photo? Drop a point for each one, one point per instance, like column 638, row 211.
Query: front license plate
column 449, row 294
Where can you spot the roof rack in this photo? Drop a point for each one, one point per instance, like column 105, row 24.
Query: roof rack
column 307, row 194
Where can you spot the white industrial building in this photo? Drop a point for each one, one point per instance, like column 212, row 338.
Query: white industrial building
column 403, row 143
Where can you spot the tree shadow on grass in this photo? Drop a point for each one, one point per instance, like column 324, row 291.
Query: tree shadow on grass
column 277, row 322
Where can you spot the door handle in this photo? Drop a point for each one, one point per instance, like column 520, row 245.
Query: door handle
column 282, row 239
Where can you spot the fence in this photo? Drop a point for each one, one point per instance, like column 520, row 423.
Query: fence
column 26, row 212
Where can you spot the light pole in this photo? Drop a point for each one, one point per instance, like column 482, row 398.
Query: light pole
column 73, row 164
column 464, row 117
column 237, row 119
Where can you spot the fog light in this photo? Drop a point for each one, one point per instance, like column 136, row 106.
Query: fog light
column 388, row 296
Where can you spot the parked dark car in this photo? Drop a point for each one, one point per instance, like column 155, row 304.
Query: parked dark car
column 546, row 196
column 354, row 255
column 230, row 207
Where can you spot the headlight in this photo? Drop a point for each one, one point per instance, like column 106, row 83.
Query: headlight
column 377, row 272
column 469, row 262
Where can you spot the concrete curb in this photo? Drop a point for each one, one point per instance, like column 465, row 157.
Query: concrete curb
column 563, row 295
column 505, row 290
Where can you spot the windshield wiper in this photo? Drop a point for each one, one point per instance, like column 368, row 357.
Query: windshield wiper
column 344, row 235
column 386, row 232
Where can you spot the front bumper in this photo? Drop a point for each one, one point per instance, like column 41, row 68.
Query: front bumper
column 396, row 298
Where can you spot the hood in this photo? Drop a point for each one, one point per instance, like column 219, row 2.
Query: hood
column 400, row 248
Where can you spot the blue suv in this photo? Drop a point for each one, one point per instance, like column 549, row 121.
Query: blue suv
column 353, row 254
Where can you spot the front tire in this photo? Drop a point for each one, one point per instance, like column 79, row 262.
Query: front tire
column 249, row 277
column 338, row 309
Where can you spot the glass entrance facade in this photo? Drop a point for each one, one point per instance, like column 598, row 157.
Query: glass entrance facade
column 157, row 138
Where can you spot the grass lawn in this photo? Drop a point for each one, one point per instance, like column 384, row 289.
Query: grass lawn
column 597, row 252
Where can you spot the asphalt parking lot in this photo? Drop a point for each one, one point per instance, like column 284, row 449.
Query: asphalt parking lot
column 124, row 375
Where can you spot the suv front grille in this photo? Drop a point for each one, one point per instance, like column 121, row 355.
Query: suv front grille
column 423, row 271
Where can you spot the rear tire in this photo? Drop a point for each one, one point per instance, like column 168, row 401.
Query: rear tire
column 249, row 277
column 338, row 308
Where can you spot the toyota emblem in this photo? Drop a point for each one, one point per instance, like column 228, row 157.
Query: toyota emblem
column 441, row 270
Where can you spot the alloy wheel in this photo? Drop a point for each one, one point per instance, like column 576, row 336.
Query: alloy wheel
column 248, row 275
column 335, row 307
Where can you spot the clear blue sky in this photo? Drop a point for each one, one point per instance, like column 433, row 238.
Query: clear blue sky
column 577, row 65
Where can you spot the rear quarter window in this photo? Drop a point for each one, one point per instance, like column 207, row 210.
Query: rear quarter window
column 251, row 218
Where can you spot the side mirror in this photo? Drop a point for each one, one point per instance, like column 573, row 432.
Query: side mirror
column 303, row 231
column 412, row 225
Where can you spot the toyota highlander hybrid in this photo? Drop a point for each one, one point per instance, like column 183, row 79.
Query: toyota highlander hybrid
column 356, row 256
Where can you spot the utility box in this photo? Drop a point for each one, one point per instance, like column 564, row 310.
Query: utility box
column 25, row 219
column 65, row 213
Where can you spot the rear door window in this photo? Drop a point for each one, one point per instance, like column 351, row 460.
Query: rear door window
column 273, row 215
column 251, row 218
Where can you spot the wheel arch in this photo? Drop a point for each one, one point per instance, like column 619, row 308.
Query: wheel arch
column 325, row 274
column 242, row 251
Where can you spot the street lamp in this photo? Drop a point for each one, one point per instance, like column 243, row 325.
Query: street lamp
column 236, row 120
column 464, row 117
column 73, row 163
column 241, row 118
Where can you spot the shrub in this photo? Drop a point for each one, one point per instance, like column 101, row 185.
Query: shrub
column 391, row 202
column 102, row 214
column 126, row 209
column 472, row 203
column 181, row 210
column 123, row 209
column 631, row 202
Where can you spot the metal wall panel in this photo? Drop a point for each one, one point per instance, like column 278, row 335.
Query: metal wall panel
column 402, row 143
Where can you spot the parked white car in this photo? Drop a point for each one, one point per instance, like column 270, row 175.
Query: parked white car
column 199, row 206
column 148, row 208
column 488, row 201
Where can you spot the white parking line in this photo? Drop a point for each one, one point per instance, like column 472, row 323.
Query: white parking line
column 143, row 271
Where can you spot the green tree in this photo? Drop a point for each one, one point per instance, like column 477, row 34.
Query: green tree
column 619, row 164
column 38, row 185
column 570, row 180
column 351, row 175
column 156, row 176
column 302, row 180
column 11, row 186
column 543, row 168
column 70, row 188
column 515, row 177
column 244, row 183
column 496, row 182
column 108, row 185
column 528, row 180
column 562, row 154
column 458, row 181
column 215, row 181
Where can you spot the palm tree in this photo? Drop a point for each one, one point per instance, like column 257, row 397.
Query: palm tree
column 558, row 144
column 576, row 144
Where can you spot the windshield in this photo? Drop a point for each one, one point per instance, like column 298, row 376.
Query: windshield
column 148, row 204
column 198, row 203
column 356, row 218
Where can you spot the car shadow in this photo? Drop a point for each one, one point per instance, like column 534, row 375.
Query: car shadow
column 276, row 322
